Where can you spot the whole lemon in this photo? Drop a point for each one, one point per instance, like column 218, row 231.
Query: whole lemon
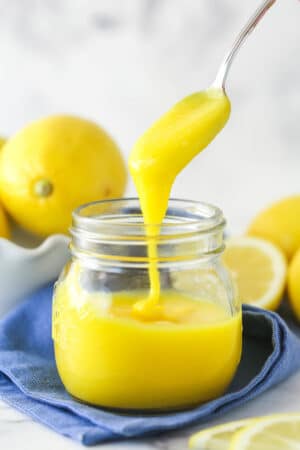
column 293, row 284
column 280, row 223
column 55, row 164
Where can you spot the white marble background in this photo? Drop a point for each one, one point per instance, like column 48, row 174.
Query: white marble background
column 123, row 63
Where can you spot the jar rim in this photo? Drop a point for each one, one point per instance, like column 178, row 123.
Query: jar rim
column 123, row 216
column 112, row 232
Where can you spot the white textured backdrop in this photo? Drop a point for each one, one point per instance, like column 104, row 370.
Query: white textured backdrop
column 124, row 62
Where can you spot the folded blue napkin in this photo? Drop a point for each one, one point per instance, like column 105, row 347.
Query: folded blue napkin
column 30, row 383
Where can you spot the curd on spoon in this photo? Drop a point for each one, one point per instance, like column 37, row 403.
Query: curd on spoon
column 157, row 158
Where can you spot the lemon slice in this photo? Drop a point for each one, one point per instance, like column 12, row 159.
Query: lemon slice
column 276, row 432
column 217, row 438
column 259, row 270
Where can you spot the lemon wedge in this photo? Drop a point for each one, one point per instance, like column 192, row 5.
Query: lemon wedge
column 218, row 437
column 259, row 270
column 275, row 432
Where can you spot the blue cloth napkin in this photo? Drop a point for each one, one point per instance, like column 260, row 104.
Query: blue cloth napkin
column 29, row 380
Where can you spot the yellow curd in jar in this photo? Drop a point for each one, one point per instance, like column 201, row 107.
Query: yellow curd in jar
column 106, row 356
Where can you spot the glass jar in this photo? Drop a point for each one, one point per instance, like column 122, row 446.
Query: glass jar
column 106, row 355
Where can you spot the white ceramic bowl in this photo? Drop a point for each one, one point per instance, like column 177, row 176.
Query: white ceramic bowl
column 26, row 264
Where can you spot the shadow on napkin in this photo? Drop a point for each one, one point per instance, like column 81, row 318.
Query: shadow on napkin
column 29, row 380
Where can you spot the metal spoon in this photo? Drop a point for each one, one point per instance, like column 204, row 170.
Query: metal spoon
column 221, row 77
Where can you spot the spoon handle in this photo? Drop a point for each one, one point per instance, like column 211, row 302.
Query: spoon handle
column 221, row 77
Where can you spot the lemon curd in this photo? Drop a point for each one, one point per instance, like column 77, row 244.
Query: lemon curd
column 145, row 316
column 185, row 352
column 157, row 158
column 106, row 356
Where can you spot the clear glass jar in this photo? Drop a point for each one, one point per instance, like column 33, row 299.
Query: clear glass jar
column 108, row 357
